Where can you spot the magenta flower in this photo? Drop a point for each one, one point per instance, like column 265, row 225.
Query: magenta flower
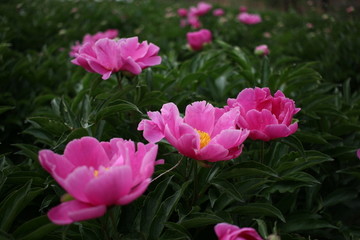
column 243, row 9
column 262, row 50
column 205, row 132
column 218, row 12
column 197, row 40
column 182, row 12
column 108, row 56
column 202, row 8
column 248, row 18
column 98, row 175
column 266, row 117
column 194, row 21
column 111, row 33
column 225, row 231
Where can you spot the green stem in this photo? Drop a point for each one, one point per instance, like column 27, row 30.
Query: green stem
column 196, row 181
column 114, row 225
column 118, row 78
column 262, row 151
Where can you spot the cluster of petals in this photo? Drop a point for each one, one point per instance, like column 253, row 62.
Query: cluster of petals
column 198, row 39
column 243, row 9
column 205, row 133
column 226, row 231
column 110, row 33
column 267, row 117
column 262, row 50
column 248, row 18
column 192, row 15
column 218, row 12
column 97, row 175
column 107, row 56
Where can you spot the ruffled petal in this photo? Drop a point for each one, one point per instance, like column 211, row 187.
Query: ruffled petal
column 86, row 151
column 74, row 211
column 135, row 193
column 109, row 186
column 201, row 116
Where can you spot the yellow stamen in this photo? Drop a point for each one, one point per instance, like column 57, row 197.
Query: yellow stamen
column 96, row 173
column 204, row 138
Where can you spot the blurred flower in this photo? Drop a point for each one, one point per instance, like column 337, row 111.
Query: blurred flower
column 74, row 10
column 108, row 56
column 97, row 175
column 205, row 132
column 266, row 117
column 196, row 40
column 202, row 8
column 225, row 231
column 182, row 12
column 309, row 25
column 194, row 21
column 111, row 33
column 262, row 50
column 218, row 12
column 358, row 153
column 267, row 35
column 248, row 18
column 350, row 9
column 243, row 9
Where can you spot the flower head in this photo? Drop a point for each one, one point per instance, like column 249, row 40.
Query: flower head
column 205, row 132
column 266, row 117
column 243, row 9
column 262, row 50
column 98, row 175
column 218, row 12
column 107, row 56
column 225, row 231
column 202, row 8
column 111, row 33
column 249, row 19
column 196, row 40
column 182, row 12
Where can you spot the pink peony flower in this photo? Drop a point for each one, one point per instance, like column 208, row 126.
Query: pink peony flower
column 194, row 21
column 98, row 175
column 111, row 33
column 205, row 132
column 243, row 9
column 108, row 56
column 266, row 117
column 218, row 12
column 196, row 40
column 202, row 8
column 262, row 50
column 182, row 12
column 248, row 18
column 225, row 231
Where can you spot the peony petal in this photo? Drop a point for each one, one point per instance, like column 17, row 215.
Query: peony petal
column 109, row 186
column 152, row 132
column 256, row 134
column 73, row 211
column 86, row 151
column 135, row 193
column 76, row 182
column 131, row 66
column 212, row 153
column 230, row 138
column 201, row 116
column 226, row 121
column 55, row 163
column 277, row 131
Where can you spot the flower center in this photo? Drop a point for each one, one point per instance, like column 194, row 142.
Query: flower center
column 204, row 138
column 96, row 172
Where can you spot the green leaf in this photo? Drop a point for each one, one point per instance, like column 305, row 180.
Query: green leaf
column 227, row 187
column 259, row 210
column 198, row 220
column 305, row 221
column 6, row 108
column 15, row 202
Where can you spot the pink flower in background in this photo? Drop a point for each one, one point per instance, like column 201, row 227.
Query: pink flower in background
column 225, row 231
column 350, row 9
column 98, row 175
column 111, row 33
column 309, row 25
column 262, row 50
column 267, row 35
column 202, row 8
column 205, row 132
column 218, row 12
column 107, row 56
column 196, row 40
column 248, row 18
column 182, row 12
column 266, row 117
column 243, row 9
column 194, row 21
column 358, row 153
